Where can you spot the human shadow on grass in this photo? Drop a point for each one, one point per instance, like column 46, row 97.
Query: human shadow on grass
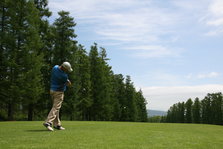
column 42, row 130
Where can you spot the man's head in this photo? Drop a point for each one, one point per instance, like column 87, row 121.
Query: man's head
column 67, row 66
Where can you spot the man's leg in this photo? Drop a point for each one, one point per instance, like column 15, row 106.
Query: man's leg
column 56, row 121
column 53, row 116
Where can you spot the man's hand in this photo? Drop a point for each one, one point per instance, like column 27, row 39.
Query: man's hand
column 68, row 83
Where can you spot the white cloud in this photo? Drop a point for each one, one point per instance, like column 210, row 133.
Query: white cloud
column 141, row 25
column 214, row 18
column 190, row 5
column 208, row 13
column 216, row 8
column 189, row 76
column 215, row 13
column 158, row 78
column 214, row 32
column 148, row 51
column 203, row 75
column 161, row 98
column 216, row 22
column 85, row 9
column 208, row 75
column 126, row 21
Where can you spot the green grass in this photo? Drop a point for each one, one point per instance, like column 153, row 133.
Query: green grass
column 110, row 135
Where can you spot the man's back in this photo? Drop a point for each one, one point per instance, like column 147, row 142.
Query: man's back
column 58, row 79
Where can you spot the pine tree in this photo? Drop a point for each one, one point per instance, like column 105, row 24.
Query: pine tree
column 32, row 61
column 171, row 114
column 175, row 110
column 182, row 112
column 179, row 112
column 168, row 116
column 188, row 107
column 118, row 95
column 141, row 107
column 15, row 34
column 100, row 85
column 131, row 100
column 216, row 108
column 44, row 27
column 206, row 110
column 63, row 38
column 46, row 36
column 82, row 84
column 44, row 13
column 196, row 111
column 19, row 26
column 95, row 76
column 4, row 53
column 106, row 84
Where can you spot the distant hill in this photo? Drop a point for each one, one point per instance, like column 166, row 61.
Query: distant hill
column 152, row 113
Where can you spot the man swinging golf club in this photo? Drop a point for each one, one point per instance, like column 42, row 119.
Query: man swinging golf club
column 59, row 81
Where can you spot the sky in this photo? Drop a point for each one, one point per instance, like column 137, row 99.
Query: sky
column 172, row 49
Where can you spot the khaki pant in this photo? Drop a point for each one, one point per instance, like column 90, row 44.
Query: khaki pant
column 53, row 116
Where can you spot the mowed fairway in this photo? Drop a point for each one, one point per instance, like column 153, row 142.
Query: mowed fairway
column 110, row 135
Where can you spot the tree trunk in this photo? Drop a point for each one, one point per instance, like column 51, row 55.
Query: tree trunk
column 30, row 112
column 10, row 111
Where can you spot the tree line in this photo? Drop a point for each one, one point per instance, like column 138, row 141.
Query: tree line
column 30, row 46
column 206, row 111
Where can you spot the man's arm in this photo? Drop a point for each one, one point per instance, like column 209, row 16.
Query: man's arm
column 68, row 82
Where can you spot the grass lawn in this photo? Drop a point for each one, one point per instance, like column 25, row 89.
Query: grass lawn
column 110, row 135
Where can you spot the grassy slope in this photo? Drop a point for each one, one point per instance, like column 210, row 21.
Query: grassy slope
column 111, row 135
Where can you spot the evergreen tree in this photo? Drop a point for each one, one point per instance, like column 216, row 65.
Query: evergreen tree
column 95, row 75
column 63, row 38
column 46, row 36
column 206, row 110
column 20, row 30
column 171, row 114
column 100, row 85
column 188, row 107
column 182, row 112
column 82, row 84
column 131, row 100
column 216, row 108
column 4, row 54
column 141, row 107
column 168, row 116
column 179, row 112
column 44, row 27
column 15, row 34
column 175, row 110
column 196, row 111
column 44, row 13
column 118, row 96
column 106, row 84
column 32, row 61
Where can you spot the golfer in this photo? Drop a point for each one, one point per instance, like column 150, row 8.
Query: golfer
column 59, row 81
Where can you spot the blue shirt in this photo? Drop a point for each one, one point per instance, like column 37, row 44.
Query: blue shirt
column 58, row 79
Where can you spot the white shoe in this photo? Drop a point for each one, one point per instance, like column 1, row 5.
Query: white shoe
column 48, row 126
column 59, row 127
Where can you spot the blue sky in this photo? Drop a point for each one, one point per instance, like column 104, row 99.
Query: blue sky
column 172, row 49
